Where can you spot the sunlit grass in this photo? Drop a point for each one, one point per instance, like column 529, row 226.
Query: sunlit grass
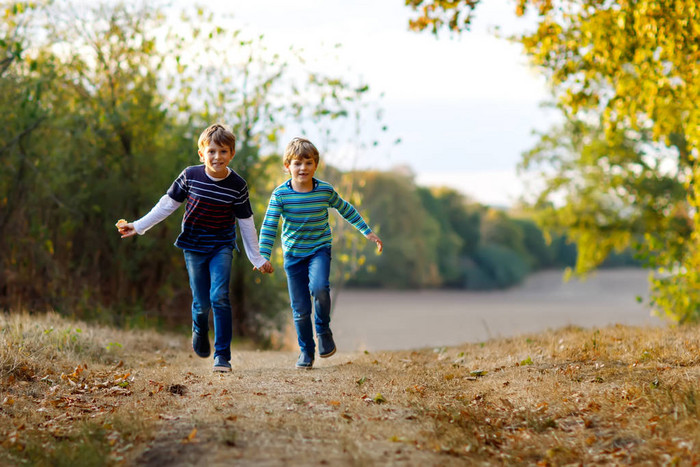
column 78, row 394
column 55, row 375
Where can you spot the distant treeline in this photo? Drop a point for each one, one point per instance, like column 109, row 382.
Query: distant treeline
column 437, row 237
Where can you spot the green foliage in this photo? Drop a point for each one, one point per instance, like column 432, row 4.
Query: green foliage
column 411, row 259
column 98, row 120
column 501, row 249
column 624, row 74
column 498, row 267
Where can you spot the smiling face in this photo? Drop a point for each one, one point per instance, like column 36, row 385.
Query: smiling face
column 216, row 159
column 302, row 171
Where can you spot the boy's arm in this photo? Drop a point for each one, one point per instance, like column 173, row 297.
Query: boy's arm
column 250, row 243
column 163, row 208
column 268, row 229
column 349, row 213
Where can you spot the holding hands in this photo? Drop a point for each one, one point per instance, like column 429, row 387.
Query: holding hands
column 265, row 268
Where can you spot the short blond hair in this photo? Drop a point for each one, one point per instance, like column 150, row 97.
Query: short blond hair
column 300, row 148
column 218, row 134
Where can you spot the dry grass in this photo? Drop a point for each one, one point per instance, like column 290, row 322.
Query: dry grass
column 80, row 395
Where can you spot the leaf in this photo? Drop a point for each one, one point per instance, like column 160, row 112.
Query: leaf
column 361, row 381
column 191, row 437
column 527, row 361
column 478, row 372
column 379, row 399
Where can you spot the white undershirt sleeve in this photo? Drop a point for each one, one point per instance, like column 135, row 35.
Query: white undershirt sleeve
column 165, row 206
column 250, row 241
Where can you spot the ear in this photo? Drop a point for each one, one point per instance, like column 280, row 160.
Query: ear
column 286, row 167
column 201, row 155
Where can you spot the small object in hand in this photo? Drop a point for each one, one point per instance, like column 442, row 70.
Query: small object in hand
column 121, row 223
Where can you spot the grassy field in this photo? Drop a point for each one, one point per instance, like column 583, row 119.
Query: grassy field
column 79, row 395
column 406, row 319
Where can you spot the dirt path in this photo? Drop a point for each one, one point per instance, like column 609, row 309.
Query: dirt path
column 355, row 408
column 266, row 412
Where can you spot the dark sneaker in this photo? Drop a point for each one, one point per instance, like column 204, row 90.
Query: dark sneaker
column 200, row 345
column 326, row 345
column 305, row 361
column 220, row 364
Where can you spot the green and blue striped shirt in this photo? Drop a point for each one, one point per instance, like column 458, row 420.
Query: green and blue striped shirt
column 305, row 226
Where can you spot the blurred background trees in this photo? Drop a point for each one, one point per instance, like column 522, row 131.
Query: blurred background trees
column 101, row 107
column 623, row 171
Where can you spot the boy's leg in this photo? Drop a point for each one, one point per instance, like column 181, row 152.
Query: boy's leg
column 198, row 271
column 220, row 273
column 319, row 284
column 297, row 270
column 320, row 288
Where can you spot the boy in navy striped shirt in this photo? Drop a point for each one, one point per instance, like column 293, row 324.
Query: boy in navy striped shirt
column 303, row 202
column 216, row 199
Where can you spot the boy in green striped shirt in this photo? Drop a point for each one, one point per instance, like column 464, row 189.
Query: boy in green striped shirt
column 302, row 202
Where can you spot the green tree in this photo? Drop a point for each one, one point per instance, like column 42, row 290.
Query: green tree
column 410, row 233
column 619, row 190
column 449, row 244
column 630, row 65
column 101, row 107
column 537, row 250
column 23, row 114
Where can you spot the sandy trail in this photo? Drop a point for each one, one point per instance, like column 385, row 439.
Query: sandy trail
column 267, row 413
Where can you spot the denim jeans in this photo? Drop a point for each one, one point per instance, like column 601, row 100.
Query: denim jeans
column 209, row 280
column 308, row 277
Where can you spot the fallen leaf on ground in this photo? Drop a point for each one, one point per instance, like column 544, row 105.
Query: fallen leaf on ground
column 191, row 436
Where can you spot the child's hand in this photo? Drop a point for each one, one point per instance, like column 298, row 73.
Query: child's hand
column 125, row 228
column 266, row 268
column 373, row 237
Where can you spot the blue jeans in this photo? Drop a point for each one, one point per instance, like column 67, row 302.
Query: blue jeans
column 209, row 280
column 309, row 277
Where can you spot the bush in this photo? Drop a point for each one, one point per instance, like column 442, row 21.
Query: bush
column 494, row 267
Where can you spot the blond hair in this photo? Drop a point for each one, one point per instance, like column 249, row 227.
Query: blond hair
column 300, row 148
column 219, row 135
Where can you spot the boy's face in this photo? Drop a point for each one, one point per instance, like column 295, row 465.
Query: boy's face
column 302, row 170
column 216, row 159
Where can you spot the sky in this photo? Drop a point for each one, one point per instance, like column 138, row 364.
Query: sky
column 464, row 107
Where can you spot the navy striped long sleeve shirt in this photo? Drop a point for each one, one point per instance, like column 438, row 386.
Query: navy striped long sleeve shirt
column 211, row 208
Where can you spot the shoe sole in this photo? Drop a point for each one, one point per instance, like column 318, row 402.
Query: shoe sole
column 304, row 367
column 330, row 354
column 221, row 369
